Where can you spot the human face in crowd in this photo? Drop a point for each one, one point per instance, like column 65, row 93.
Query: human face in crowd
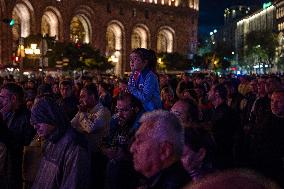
column 55, row 89
column 271, row 85
column 6, row 100
column 124, row 112
column 43, row 129
column 101, row 90
column 49, row 80
column 198, row 81
column 65, row 91
column 191, row 159
column 185, row 78
column 253, row 86
column 136, row 62
column 30, row 85
column 277, row 104
column 122, row 86
column 146, row 152
column 212, row 94
column 180, row 110
column 163, row 80
column 261, row 87
column 86, row 101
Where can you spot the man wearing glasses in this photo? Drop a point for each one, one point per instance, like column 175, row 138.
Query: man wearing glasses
column 120, row 172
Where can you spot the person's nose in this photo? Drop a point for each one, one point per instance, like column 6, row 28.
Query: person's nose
column 132, row 147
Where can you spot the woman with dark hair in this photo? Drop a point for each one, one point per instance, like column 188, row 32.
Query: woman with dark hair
column 65, row 162
column 198, row 152
column 143, row 82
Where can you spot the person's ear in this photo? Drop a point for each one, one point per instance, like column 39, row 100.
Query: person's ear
column 13, row 98
column 201, row 154
column 166, row 150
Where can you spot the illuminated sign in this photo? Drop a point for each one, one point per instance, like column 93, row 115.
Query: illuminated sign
column 266, row 5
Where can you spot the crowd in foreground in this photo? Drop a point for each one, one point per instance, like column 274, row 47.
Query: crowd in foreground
column 146, row 131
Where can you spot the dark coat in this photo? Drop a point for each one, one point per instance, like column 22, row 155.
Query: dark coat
column 173, row 177
column 266, row 152
column 65, row 164
column 224, row 129
column 19, row 133
column 69, row 105
column 66, row 161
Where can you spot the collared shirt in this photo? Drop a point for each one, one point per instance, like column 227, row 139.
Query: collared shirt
column 173, row 177
column 97, row 118
column 95, row 124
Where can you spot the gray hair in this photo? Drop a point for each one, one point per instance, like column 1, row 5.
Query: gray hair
column 165, row 126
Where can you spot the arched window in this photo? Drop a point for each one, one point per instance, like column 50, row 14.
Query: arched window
column 139, row 37
column 80, row 29
column 165, row 41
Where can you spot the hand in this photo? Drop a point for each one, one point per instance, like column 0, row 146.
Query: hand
column 82, row 107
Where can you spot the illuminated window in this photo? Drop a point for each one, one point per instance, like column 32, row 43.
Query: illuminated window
column 77, row 32
column 139, row 37
column 165, row 40
column 136, row 40
column 110, row 41
column 162, row 43
column 80, row 29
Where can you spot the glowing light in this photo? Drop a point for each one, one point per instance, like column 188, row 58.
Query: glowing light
column 266, row 5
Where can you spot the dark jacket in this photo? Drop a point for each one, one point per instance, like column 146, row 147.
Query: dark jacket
column 69, row 105
column 65, row 164
column 224, row 128
column 266, row 152
column 19, row 133
column 173, row 177
column 146, row 89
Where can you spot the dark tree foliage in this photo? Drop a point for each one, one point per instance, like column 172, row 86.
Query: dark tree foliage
column 173, row 61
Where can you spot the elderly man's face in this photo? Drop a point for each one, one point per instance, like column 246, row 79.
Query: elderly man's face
column 43, row 129
column 277, row 104
column 146, row 152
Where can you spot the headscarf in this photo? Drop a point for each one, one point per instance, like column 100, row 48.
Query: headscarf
column 46, row 110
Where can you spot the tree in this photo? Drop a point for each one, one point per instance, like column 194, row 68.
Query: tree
column 261, row 47
column 80, row 56
column 173, row 61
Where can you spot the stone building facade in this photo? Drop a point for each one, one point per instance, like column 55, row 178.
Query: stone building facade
column 113, row 26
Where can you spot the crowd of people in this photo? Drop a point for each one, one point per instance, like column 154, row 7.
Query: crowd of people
column 149, row 130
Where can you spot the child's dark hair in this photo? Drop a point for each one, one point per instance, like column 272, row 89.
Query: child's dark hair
column 149, row 55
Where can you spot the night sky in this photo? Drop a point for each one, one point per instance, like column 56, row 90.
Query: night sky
column 211, row 13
